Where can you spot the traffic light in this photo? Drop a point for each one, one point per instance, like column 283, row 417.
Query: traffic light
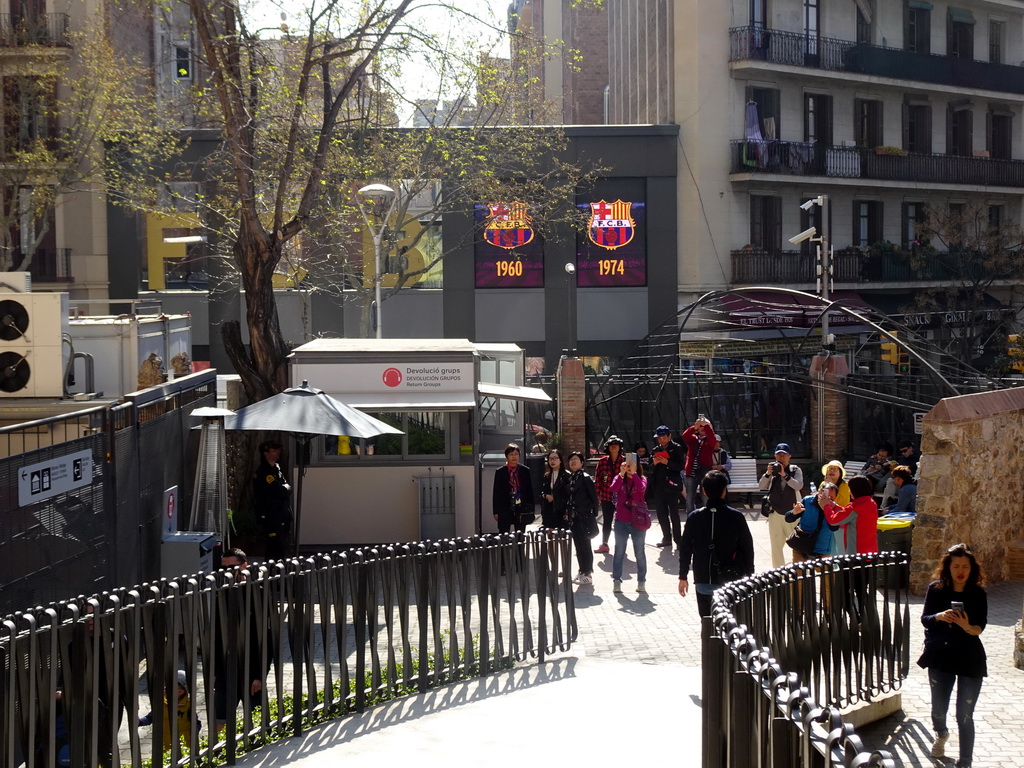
column 890, row 351
column 1016, row 352
column 903, row 362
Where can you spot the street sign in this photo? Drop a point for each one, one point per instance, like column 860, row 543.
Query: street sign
column 46, row 479
column 919, row 422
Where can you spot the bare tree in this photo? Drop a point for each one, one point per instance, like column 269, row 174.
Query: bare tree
column 58, row 112
column 969, row 249
column 301, row 118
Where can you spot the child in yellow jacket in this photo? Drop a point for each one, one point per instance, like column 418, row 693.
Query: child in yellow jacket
column 184, row 713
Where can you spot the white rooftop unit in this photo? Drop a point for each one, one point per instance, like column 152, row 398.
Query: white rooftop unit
column 131, row 352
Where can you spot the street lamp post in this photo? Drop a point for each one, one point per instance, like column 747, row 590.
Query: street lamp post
column 382, row 198
column 570, row 282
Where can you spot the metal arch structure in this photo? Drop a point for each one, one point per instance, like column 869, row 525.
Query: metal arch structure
column 870, row 318
column 644, row 379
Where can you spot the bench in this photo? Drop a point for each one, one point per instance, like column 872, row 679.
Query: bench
column 743, row 478
column 853, row 468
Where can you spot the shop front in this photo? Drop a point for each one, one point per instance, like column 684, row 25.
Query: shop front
column 426, row 482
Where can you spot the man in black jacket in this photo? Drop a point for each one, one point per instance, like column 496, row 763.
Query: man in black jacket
column 512, row 498
column 718, row 542
column 272, row 499
column 665, row 484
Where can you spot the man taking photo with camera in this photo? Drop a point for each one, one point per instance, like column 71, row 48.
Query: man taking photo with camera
column 783, row 482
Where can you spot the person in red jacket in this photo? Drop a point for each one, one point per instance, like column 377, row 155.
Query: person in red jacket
column 607, row 468
column 700, row 442
column 859, row 518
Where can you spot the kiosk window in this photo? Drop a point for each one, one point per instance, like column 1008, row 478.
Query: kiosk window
column 426, row 434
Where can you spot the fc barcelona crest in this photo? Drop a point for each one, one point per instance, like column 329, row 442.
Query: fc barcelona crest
column 611, row 225
column 508, row 225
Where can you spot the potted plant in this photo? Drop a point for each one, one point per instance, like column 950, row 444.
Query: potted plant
column 888, row 149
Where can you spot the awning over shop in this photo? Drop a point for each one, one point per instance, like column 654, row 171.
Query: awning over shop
column 435, row 401
column 961, row 311
column 777, row 309
column 531, row 394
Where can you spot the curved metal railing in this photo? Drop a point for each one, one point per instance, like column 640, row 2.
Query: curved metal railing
column 786, row 650
column 324, row 635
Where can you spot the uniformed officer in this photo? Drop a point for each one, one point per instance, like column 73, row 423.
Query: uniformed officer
column 272, row 499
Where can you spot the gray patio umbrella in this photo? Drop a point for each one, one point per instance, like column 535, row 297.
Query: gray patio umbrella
column 305, row 412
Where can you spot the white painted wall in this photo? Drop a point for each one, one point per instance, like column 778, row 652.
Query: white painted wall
column 373, row 505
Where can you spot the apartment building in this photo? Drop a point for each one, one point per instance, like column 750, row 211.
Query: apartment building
column 42, row 60
column 886, row 108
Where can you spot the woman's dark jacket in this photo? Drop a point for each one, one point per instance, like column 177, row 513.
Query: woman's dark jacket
column 550, row 515
column 579, row 497
column 947, row 647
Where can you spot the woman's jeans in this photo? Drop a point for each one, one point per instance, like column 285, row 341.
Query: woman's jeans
column 625, row 531
column 967, row 690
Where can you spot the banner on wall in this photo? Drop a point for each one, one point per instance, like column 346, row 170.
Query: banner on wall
column 510, row 253
column 613, row 253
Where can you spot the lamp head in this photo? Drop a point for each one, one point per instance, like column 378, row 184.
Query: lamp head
column 377, row 193
column 570, row 268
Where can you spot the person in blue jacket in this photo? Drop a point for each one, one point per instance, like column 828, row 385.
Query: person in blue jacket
column 811, row 518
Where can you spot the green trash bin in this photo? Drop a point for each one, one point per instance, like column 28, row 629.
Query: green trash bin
column 893, row 536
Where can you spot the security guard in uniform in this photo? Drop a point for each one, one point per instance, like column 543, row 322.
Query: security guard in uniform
column 272, row 497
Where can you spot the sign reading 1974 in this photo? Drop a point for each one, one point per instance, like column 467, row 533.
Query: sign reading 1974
column 50, row 478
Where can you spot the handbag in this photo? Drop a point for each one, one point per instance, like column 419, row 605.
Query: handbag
column 641, row 517
column 803, row 541
column 586, row 524
column 766, row 506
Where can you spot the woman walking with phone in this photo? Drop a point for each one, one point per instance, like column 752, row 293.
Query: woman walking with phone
column 954, row 616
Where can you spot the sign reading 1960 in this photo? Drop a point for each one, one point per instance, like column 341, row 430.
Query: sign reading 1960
column 49, row 478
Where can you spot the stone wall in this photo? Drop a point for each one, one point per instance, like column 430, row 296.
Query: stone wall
column 971, row 486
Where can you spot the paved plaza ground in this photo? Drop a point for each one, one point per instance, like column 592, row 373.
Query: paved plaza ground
column 629, row 693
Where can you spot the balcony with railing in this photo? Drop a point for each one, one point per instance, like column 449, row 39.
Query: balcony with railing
column 45, row 29
column 796, row 49
column 884, row 263
column 49, row 266
column 800, row 158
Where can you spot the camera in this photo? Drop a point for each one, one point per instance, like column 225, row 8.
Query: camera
column 776, row 465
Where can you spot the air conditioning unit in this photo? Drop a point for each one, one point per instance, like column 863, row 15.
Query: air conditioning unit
column 19, row 282
column 32, row 326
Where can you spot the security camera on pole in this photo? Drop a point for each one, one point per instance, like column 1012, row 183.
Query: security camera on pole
column 829, row 416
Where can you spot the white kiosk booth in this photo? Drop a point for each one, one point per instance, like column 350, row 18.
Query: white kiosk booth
column 427, row 482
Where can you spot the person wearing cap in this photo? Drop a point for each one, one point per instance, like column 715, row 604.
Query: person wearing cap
column 607, row 468
column 700, row 441
column 272, row 500
column 184, row 714
column 665, row 484
column 783, row 482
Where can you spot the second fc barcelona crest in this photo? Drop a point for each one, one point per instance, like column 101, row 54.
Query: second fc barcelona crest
column 611, row 225
column 508, row 225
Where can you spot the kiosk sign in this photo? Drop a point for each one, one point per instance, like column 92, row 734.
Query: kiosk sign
column 46, row 479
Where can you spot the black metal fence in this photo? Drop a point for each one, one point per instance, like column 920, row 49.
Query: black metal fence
column 324, row 636
column 801, row 158
column 787, row 649
column 49, row 29
column 801, row 50
column 104, row 528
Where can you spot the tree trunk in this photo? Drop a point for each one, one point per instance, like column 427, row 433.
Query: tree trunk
column 263, row 366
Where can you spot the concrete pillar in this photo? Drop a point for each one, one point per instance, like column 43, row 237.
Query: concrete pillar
column 829, row 407
column 572, row 404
